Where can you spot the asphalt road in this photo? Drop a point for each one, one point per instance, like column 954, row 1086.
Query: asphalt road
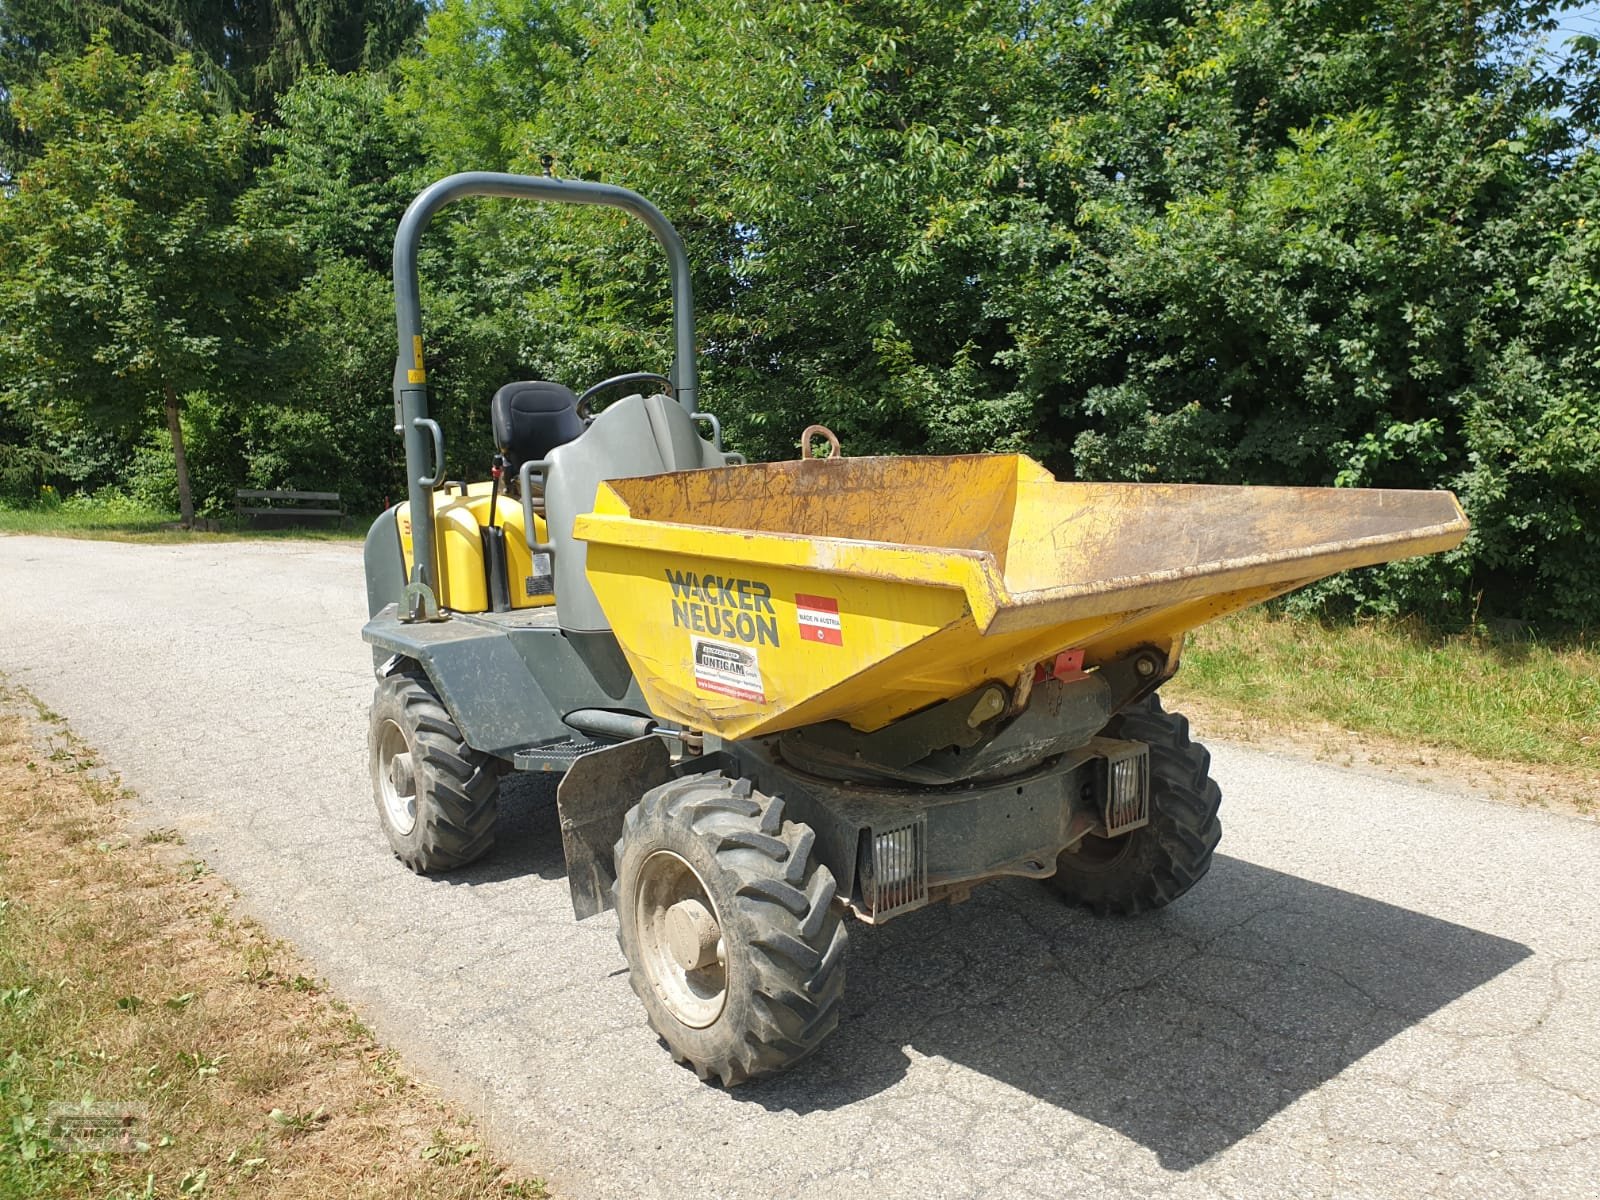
column 1380, row 990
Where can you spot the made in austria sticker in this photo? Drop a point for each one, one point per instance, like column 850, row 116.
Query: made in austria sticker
column 728, row 670
column 818, row 618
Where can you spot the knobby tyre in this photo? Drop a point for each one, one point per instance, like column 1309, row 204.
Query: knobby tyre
column 767, row 992
column 1151, row 867
column 437, row 797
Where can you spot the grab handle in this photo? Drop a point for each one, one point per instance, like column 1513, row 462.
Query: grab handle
column 432, row 426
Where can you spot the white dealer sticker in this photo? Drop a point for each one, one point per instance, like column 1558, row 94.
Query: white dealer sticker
column 728, row 670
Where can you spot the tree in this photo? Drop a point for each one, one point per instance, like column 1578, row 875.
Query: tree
column 126, row 283
column 481, row 70
column 346, row 163
column 265, row 45
column 246, row 51
column 1262, row 241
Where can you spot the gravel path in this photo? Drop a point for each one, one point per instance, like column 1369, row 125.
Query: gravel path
column 1380, row 990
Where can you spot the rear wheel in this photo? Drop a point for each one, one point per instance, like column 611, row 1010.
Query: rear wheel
column 436, row 795
column 1150, row 867
column 729, row 929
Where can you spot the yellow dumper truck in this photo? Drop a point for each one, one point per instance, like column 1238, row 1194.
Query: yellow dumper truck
column 781, row 695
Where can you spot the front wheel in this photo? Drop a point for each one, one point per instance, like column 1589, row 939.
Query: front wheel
column 729, row 928
column 1152, row 866
column 436, row 795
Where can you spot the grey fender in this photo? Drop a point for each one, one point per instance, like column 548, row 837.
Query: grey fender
column 479, row 674
column 386, row 569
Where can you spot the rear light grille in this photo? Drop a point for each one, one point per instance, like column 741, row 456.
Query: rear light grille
column 1125, row 794
column 897, row 874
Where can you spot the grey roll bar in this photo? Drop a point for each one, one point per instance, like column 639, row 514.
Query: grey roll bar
column 410, row 371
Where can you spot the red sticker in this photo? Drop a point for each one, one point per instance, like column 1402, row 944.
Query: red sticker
column 1066, row 666
column 819, row 619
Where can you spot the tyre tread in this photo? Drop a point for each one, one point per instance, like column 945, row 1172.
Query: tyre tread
column 796, row 939
column 1178, row 845
column 462, row 783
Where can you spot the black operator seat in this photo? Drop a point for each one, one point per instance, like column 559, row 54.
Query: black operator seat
column 531, row 418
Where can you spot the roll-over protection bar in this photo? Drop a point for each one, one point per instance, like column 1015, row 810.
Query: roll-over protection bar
column 422, row 441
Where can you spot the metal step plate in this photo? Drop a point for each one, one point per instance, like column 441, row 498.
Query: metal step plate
column 557, row 756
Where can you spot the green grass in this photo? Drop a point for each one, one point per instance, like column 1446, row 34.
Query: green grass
column 1518, row 701
column 84, row 518
column 123, row 520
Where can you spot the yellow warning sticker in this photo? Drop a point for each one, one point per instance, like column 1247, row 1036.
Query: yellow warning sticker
column 418, row 373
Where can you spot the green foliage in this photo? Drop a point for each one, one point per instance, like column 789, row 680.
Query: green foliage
column 23, row 468
column 346, row 163
column 1532, row 418
column 481, row 72
column 1255, row 241
column 247, row 50
column 123, row 271
column 264, row 45
column 125, row 281
column 832, row 228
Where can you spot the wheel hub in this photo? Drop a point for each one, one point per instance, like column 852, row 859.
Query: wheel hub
column 397, row 779
column 681, row 947
column 400, row 775
column 692, row 934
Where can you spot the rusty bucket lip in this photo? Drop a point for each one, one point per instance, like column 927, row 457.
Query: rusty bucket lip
column 1171, row 583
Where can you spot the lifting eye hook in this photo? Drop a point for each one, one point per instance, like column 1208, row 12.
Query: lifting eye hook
column 815, row 431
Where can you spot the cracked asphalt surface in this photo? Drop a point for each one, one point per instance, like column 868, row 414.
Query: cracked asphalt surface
column 1380, row 990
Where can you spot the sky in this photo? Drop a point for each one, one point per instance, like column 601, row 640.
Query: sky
column 1583, row 19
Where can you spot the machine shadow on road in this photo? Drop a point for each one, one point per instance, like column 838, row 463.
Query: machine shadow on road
column 1184, row 1031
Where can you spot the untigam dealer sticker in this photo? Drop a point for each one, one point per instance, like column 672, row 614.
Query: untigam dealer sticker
column 728, row 670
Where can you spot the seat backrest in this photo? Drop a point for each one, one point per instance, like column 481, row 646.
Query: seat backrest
column 531, row 418
column 638, row 435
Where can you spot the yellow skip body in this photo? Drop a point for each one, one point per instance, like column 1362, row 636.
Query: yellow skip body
column 755, row 599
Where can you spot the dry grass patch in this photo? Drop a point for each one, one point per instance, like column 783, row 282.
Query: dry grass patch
column 127, row 981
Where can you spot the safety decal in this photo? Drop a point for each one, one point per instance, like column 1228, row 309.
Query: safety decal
column 819, row 619
column 541, row 581
column 728, row 670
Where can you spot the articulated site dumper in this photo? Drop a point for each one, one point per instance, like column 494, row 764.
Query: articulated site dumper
column 779, row 695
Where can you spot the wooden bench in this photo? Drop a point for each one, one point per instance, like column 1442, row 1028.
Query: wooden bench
column 285, row 506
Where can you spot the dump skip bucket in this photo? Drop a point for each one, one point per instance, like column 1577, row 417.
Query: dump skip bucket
column 759, row 598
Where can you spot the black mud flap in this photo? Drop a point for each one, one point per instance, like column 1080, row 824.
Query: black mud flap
column 593, row 797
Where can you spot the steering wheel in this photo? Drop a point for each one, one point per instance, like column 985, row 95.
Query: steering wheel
column 618, row 381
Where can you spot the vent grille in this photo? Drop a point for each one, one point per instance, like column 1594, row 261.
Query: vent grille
column 898, row 878
column 1125, row 805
